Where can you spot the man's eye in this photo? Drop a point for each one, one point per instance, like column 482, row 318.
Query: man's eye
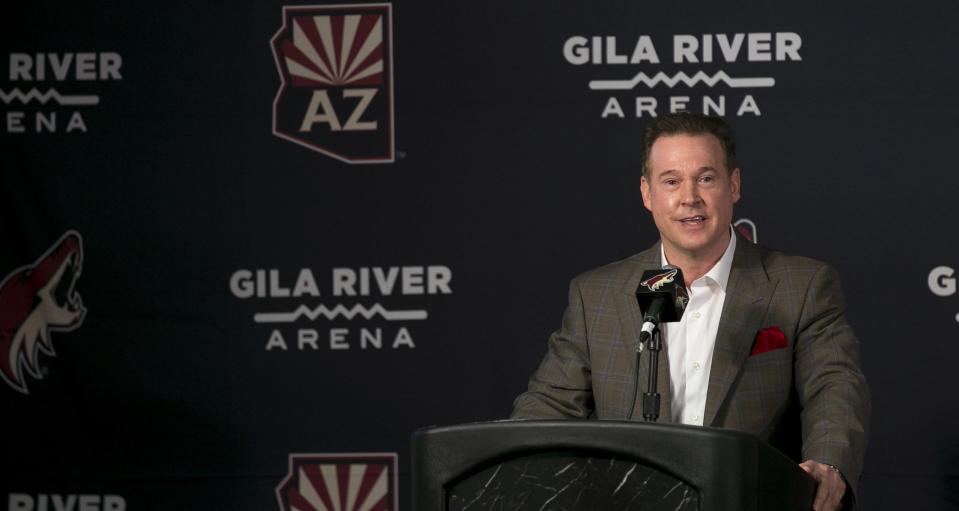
column 707, row 179
column 671, row 182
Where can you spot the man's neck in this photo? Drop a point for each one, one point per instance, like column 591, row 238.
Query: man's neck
column 695, row 264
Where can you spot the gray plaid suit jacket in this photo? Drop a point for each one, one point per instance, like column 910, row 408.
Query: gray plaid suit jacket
column 810, row 399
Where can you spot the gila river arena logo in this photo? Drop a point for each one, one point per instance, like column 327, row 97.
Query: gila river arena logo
column 341, row 308
column 647, row 75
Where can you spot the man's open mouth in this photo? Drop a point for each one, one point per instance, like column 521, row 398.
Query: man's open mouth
column 693, row 220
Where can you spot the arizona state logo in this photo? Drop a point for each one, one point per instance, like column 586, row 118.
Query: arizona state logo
column 336, row 96
column 34, row 300
column 657, row 281
column 340, row 482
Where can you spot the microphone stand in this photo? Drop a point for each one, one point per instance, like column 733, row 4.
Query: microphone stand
column 651, row 396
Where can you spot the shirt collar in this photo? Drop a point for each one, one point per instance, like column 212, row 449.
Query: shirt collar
column 719, row 273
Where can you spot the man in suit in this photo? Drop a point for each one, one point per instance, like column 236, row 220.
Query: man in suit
column 763, row 347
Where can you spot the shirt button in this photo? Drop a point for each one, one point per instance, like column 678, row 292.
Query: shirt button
column 694, row 417
column 696, row 365
column 695, row 315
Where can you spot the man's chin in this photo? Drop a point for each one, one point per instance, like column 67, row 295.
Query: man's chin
column 694, row 245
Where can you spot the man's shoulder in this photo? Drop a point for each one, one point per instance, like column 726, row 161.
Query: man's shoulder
column 622, row 272
column 778, row 264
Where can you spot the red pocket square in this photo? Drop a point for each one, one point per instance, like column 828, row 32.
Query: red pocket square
column 768, row 339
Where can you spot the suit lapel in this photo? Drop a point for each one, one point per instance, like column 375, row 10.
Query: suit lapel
column 631, row 321
column 747, row 299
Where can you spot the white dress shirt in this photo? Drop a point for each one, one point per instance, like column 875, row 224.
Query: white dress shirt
column 690, row 342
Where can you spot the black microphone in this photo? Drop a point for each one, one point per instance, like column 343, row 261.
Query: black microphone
column 663, row 297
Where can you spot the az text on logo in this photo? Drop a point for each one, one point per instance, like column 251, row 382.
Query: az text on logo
column 35, row 300
column 715, row 61
column 344, row 482
column 51, row 92
column 336, row 96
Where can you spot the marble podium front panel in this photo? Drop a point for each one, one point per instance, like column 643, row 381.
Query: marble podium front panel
column 571, row 482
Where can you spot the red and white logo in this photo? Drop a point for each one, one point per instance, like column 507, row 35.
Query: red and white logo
column 747, row 228
column 341, row 482
column 336, row 67
column 657, row 281
column 34, row 300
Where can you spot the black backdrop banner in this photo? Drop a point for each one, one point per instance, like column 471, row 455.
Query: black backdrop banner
column 247, row 249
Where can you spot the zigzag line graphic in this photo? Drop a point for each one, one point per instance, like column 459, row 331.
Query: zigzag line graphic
column 680, row 77
column 44, row 97
column 339, row 310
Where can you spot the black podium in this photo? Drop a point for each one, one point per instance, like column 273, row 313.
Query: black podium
column 600, row 465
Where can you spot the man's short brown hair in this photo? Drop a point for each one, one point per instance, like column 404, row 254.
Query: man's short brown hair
column 688, row 123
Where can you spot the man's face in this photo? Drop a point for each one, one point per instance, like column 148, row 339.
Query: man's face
column 691, row 195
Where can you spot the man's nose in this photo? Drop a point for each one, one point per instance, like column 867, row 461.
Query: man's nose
column 690, row 193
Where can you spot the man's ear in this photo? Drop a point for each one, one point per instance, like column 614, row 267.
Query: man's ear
column 644, row 189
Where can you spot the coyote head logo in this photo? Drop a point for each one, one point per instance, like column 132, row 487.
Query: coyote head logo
column 657, row 281
column 34, row 300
